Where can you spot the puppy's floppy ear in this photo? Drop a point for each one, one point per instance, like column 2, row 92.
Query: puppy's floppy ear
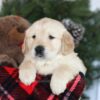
column 76, row 30
column 25, row 46
column 67, row 45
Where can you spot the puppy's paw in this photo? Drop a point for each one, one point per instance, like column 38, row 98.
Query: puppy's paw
column 27, row 75
column 58, row 85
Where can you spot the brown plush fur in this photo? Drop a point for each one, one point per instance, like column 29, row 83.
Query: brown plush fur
column 12, row 29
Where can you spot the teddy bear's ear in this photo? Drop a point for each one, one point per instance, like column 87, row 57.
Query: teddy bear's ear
column 76, row 30
column 21, row 29
column 67, row 43
column 15, row 36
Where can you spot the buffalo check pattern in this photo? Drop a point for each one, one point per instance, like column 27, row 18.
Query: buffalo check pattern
column 12, row 89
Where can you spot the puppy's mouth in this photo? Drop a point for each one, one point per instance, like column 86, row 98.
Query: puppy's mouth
column 40, row 55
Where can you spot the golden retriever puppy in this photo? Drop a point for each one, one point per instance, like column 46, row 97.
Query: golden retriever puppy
column 49, row 49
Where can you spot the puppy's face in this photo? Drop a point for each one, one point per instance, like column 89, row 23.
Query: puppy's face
column 46, row 39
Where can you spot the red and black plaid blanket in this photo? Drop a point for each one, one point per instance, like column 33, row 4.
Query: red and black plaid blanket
column 12, row 89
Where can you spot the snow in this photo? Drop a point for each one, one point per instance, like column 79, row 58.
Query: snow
column 0, row 4
column 94, row 5
column 94, row 91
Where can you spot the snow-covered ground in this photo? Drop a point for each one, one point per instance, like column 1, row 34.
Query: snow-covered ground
column 94, row 91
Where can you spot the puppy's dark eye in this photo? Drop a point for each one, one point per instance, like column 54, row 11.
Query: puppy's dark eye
column 51, row 37
column 34, row 36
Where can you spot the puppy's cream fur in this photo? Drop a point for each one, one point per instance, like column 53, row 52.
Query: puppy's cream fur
column 60, row 59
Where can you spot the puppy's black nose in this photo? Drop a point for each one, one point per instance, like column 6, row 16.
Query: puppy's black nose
column 39, row 51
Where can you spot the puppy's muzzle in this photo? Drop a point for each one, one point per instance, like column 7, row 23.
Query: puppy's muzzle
column 39, row 51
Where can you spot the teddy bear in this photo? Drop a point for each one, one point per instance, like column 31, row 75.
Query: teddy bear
column 12, row 31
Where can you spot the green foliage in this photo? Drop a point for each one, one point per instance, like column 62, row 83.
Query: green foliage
column 57, row 9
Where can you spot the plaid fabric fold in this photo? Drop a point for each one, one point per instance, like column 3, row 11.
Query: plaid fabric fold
column 12, row 89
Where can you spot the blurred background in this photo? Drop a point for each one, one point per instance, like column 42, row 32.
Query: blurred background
column 85, row 12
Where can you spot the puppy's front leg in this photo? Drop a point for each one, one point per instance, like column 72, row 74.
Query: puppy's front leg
column 59, row 80
column 27, row 72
